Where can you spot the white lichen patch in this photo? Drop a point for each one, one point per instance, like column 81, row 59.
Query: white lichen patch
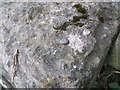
column 76, row 43
column 82, row 44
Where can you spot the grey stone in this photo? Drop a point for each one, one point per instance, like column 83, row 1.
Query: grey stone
column 64, row 41
column 42, row 60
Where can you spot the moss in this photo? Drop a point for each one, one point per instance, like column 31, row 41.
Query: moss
column 80, row 8
column 77, row 5
column 84, row 16
column 78, row 24
column 77, row 18
column 63, row 26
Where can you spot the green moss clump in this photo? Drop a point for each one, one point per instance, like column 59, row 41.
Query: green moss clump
column 77, row 5
column 80, row 8
column 63, row 26
column 78, row 24
column 77, row 18
column 84, row 16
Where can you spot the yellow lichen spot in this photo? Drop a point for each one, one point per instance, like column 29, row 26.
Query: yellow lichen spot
column 48, row 81
column 65, row 76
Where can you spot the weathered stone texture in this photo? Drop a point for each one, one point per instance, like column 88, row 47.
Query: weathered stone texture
column 46, row 61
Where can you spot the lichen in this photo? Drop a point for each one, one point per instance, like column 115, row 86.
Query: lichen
column 78, row 24
column 76, row 43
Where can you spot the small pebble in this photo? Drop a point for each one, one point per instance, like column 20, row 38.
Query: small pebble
column 104, row 35
column 86, row 32
column 64, row 41
column 105, row 28
column 75, row 66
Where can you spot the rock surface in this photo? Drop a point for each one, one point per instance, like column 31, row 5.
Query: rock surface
column 42, row 61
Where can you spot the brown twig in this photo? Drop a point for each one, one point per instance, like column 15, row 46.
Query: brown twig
column 15, row 58
column 115, row 72
column 15, row 61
